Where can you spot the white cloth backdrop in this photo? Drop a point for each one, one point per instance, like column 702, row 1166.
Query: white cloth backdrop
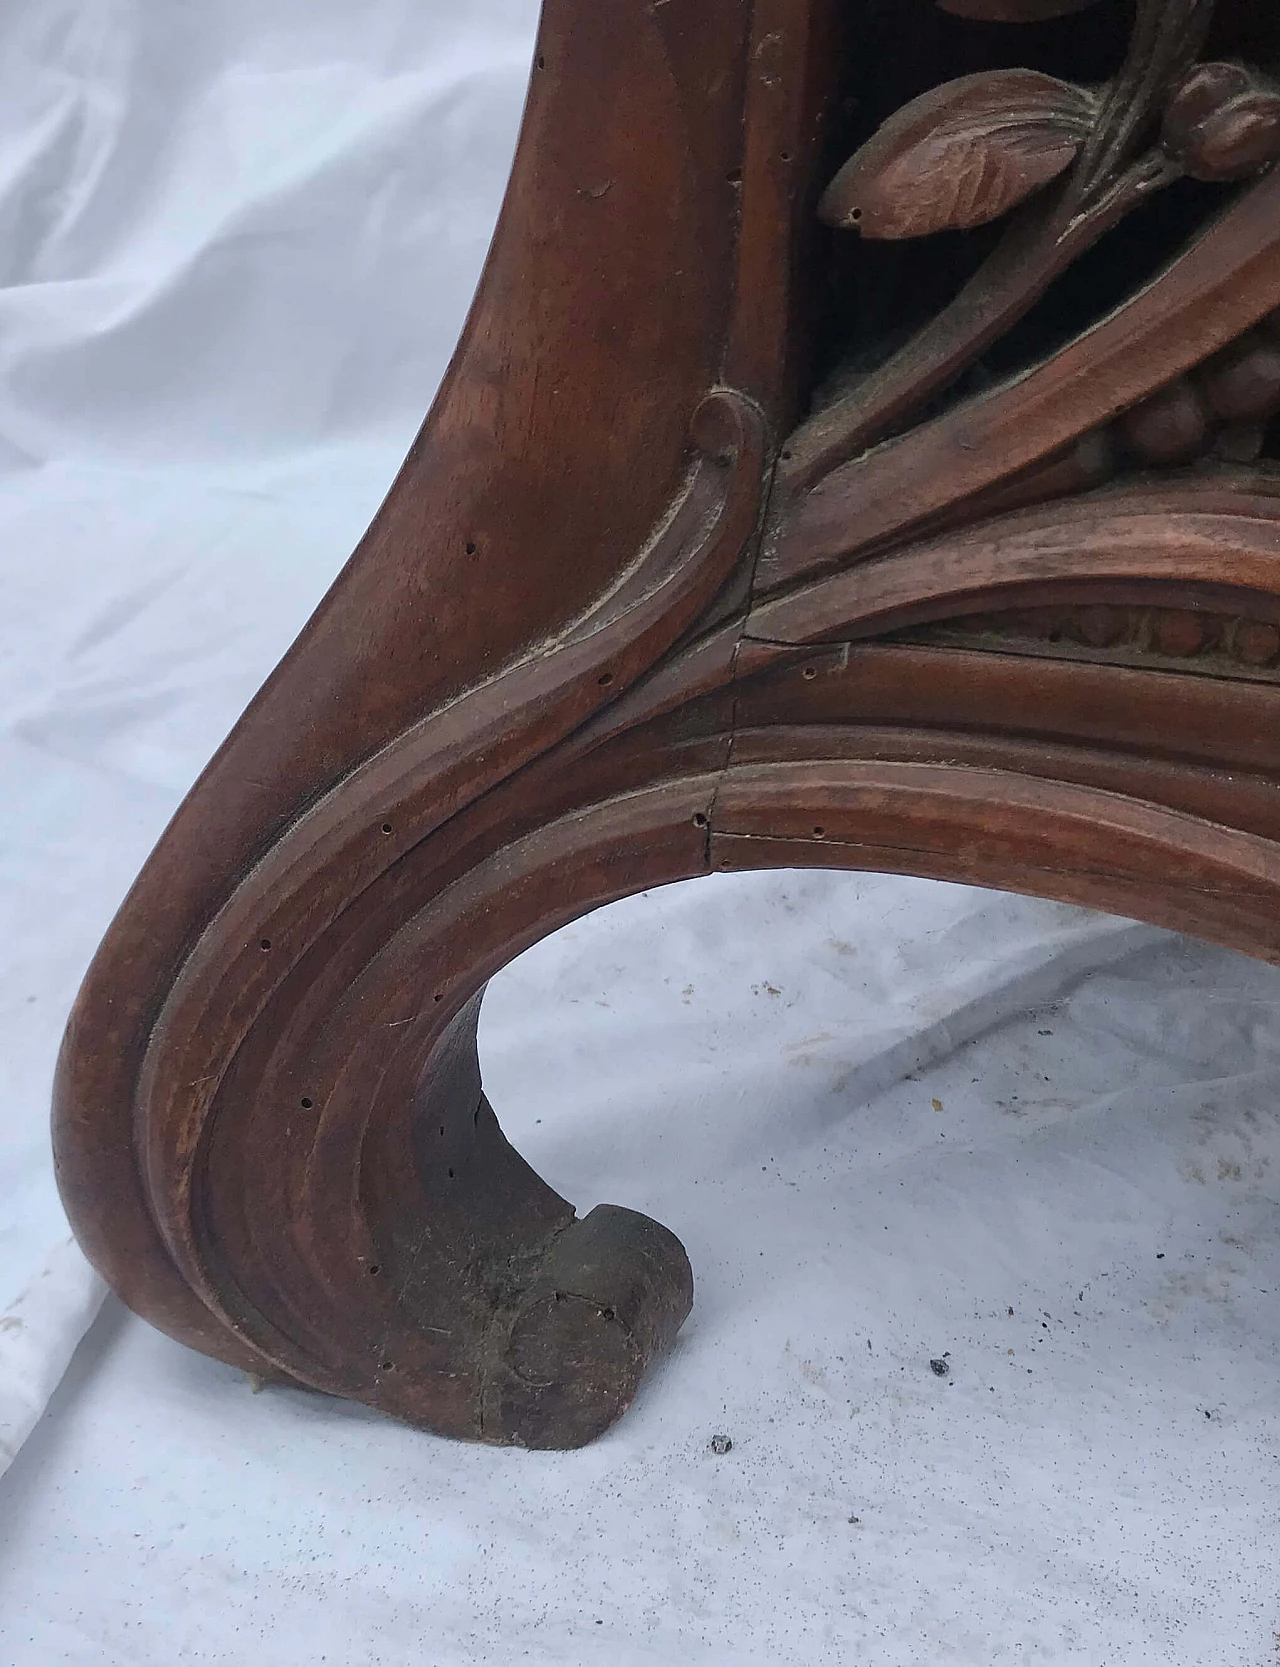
column 891, row 1121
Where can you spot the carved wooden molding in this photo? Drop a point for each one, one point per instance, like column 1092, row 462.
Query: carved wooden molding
column 658, row 592
column 1177, row 639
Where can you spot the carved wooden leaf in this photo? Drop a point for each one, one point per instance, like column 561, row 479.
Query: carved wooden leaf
column 1013, row 11
column 961, row 155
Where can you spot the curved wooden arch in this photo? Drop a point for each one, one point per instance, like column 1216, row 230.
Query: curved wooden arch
column 1212, row 531
column 344, row 1205
column 613, row 629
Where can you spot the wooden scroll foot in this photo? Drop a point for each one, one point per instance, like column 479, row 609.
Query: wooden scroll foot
column 702, row 562
column 600, row 1302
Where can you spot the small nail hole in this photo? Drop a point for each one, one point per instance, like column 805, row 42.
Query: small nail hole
column 608, row 1314
column 785, row 155
column 787, row 455
column 819, row 832
column 388, row 1365
column 264, row 943
column 542, row 62
column 856, row 215
column 450, row 1174
column 306, row 1103
column 386, row 827
column 809, row 673
column 699, row 820
column 605, row 678
column 437, row 996
column 471, row 549
column 376, row 1269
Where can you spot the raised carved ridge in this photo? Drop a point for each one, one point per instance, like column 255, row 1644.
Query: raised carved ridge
column 1182, row 639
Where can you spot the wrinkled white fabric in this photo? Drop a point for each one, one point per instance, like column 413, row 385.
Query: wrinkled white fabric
column 38, row 1335
column 893, row 1122
column 236, row 248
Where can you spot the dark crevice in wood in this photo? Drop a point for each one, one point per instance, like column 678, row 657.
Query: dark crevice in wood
column 874, row 296
column 1124, row 261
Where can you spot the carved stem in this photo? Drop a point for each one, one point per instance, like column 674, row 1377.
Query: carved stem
column 1215, row 291
column 1167, row 38
column 1039, row 246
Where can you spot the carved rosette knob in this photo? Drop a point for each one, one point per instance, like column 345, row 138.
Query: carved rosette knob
column 1223, row 122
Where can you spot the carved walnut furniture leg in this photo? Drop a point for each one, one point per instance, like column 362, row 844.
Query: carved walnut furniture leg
column 847, row 461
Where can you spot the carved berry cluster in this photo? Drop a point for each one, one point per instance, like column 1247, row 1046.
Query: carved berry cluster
column 1125, row 633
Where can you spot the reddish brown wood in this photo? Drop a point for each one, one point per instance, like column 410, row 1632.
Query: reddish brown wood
column 1223, row 122
column 697, row 565
column 961, row 155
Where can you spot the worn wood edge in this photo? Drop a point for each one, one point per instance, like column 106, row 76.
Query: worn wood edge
column 1219, row 531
